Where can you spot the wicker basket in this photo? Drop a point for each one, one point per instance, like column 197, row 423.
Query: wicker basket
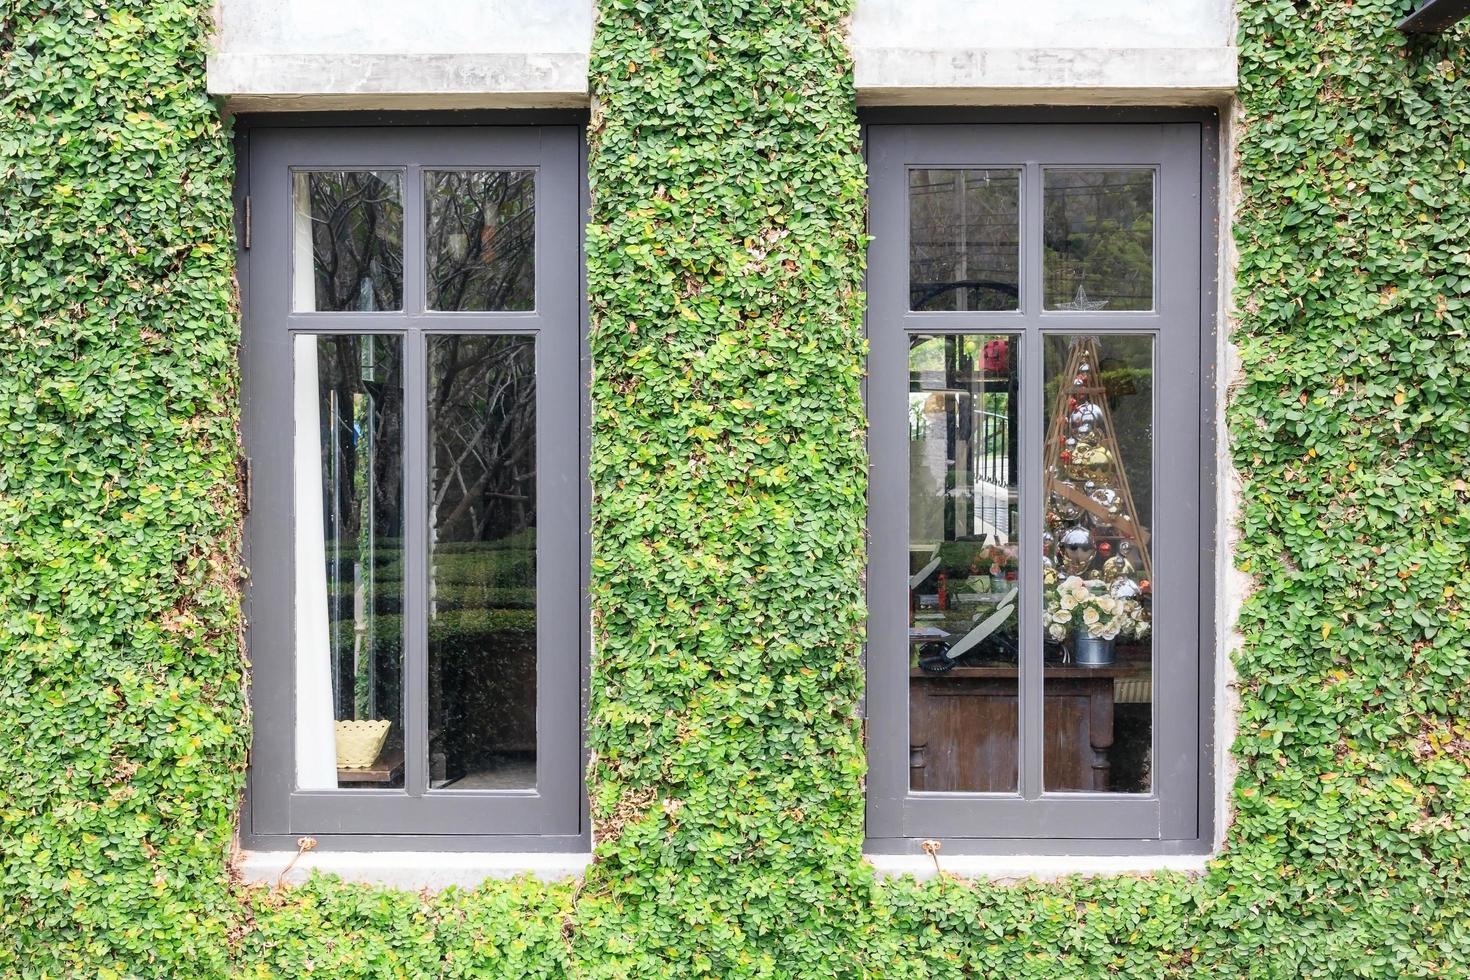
column 359, row 742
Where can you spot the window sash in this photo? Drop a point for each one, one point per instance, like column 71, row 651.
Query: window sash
column 998, row 821
column 555, row 808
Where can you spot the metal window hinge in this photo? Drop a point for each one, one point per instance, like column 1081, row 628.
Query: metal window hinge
column 247, row 222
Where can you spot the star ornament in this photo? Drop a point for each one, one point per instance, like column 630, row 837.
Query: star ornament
column 1080, row 303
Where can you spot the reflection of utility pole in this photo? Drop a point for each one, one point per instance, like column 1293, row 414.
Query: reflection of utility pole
column 963, row 299
column 364, row 574
column 951, row 433
column 334, row 535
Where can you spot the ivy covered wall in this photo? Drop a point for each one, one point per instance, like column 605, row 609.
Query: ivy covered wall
column 122, row 726
column 724, row 263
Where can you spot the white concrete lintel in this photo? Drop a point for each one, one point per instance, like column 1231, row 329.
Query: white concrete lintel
column 1039, row 867
column 413, row 870
column 1044, row 76
column 505, row 80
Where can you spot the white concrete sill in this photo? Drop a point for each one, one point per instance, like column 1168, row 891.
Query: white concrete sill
column 416, row 870
column 1004, row 869
column 413, row 870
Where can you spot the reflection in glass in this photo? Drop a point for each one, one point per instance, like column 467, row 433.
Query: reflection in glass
column 1097, row 563
column 963, row 568
column 347, row 240
column 481, row 239
column 1098, row 236
column 964, row 239
column 482, row 602
column 349, row 462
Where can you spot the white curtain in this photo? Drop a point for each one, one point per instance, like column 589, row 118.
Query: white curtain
column 316, row 733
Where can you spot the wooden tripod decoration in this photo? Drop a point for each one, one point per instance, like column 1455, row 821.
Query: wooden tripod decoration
column 1084, row 351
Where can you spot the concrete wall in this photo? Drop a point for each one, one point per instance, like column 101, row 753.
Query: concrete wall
column 1043, row 24
column 399, row 27
column 323, row 54
column 937, row 52
column 280, row 54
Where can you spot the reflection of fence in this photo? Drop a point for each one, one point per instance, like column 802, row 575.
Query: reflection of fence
column 993, row 464
column 992, row 469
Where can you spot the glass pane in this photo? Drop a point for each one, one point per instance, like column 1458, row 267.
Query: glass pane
column 1099, row 239
column 347, row 240
column 963, row 582
column 481, row 239
column 1098, row 474
column 482, row 589
column 964, row 239
column 349, row 569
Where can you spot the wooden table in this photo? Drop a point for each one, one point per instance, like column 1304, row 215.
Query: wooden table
column 963, row 732
column 385, row 771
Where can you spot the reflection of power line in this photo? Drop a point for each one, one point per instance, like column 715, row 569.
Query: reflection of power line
column 1001, row 177
column 1098, row 190
column 1001, row 245
column 964, row 236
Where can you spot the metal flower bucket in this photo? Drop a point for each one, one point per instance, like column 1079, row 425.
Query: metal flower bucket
column 1091, row 651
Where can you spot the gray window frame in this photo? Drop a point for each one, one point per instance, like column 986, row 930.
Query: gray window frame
column 553, row 816
column 1180, row 147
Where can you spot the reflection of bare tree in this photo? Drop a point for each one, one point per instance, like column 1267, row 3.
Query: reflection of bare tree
column 356, row 239
column 482, row 639
column 481, row 239
column 482, row 408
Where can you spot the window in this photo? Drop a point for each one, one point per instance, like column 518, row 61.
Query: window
column 1038, row 519
column 413, row 411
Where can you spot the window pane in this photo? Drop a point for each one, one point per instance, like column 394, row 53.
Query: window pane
column 349, row 570
column 482, row 591
column 481, row 239
column 348, row 241
column 963, row 571
column 964, row 239
column 1099, row 239
column 1098, row 472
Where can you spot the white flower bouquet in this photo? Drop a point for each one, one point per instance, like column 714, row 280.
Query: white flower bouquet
column 1091, row 606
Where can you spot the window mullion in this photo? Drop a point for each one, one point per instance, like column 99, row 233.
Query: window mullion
column 415, row 565
column 1031, row 507
column 413, row 242
column 415, row 499
column 1030, row 513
